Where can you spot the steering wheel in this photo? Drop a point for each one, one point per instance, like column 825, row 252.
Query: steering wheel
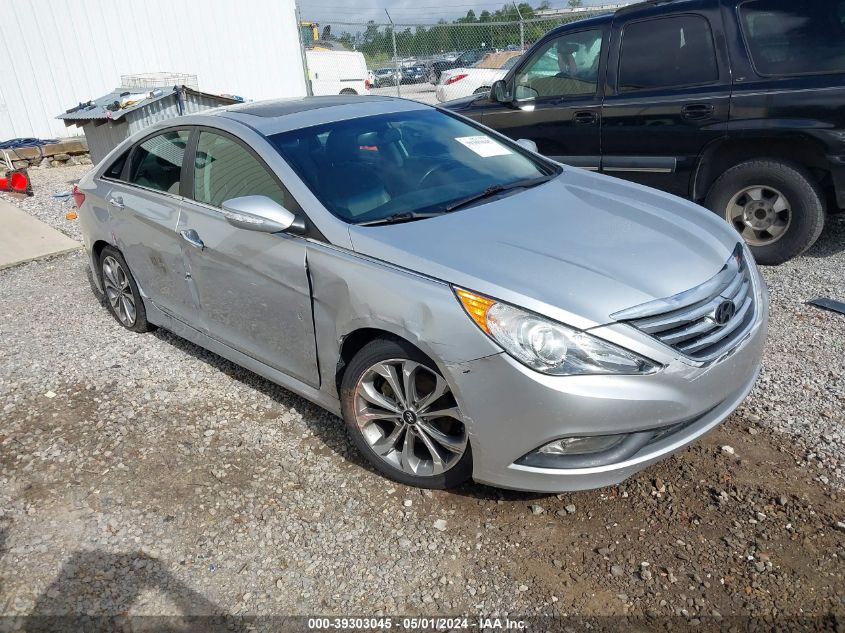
column 436, row 168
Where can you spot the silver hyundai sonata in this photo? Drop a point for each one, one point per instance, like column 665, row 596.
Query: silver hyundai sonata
column 470, row 308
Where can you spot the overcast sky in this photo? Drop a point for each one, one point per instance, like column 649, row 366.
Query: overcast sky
column 335, row 12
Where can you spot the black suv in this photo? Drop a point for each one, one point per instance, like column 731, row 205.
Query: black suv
column 737, row 104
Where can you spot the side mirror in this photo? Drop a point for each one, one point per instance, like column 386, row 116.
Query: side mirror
column 528, row 144
column 499, row 92
column 260, row 213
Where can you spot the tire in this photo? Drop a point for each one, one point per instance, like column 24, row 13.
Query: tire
column 482, row 91
column 121, row 291
column 753, row 191
column 348, row 91
column 384, row 440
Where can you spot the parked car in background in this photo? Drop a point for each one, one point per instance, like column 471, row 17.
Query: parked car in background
column 465, row 59
column 460, row 82
column 734, row 104
column 414, row 74
column 384, row 77
column 334, row 72
column 470, row 308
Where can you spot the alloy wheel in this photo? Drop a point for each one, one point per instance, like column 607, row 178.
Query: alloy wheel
column 119, row 291
column 409, row 417
column 760, row 214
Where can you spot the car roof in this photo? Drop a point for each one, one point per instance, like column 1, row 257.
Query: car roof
column 282, row 115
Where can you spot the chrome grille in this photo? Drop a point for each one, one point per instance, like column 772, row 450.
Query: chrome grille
column 707, row 320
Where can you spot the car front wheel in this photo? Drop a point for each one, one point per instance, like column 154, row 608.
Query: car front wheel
column 775, row 206
column 401, row 414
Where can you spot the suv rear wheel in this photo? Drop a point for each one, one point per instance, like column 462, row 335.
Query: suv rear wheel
column 776, row 207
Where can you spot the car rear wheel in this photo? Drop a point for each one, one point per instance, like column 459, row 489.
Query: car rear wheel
column 348, row 91
column 122, row 296
column 401, row 414
column 775, row 206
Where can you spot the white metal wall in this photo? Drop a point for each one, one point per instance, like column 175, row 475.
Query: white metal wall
column 57, row 53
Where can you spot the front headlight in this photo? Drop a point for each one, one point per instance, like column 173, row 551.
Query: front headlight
column 547, row 346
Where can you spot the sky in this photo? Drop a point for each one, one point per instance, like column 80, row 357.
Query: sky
column 335, row 12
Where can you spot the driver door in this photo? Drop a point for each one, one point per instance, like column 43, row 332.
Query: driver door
column 252, row 287
column 558, row 99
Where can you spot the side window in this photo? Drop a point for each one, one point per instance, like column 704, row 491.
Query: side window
column 116, row 168
column 795, row 38
column 157, row 162
column 225, row 169
column 667, row 52
column 565, row 66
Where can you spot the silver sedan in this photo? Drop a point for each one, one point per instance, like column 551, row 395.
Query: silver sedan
column 468, row 307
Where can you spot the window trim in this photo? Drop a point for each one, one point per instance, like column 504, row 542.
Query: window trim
column 717, row 81
column 605, row 43
column 753, row 62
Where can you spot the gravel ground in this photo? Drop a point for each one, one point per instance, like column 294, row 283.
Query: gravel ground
column 47, row 182
column 142, row 474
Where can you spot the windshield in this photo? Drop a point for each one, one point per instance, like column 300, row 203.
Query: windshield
column 422, row 161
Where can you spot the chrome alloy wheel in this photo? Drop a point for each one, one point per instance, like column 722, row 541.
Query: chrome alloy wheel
column 119, row 291
column 408, row 416
column 760, row 214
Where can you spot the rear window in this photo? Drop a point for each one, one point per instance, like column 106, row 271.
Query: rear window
column 667, row 52
column 157, row 162
column 785, row 37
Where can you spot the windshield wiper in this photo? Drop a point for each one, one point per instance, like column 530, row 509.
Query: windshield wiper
column 492, row 190
column 398, row 218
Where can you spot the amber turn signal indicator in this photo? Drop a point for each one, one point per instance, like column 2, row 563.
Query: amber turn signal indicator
column 476, row 307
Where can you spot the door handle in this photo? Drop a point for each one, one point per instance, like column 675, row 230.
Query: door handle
column 697, row 111
column 192, row 238
column 585, row 118
column 116, row 201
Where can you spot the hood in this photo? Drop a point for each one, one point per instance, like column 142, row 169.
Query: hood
column 577, row 248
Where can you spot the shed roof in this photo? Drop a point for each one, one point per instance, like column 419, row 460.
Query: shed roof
column 97, row 109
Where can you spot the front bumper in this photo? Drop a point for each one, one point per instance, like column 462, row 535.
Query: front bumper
column 511, row 410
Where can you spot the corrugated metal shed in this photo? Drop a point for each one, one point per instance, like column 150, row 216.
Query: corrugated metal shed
column 59, row 52
column 105, row 125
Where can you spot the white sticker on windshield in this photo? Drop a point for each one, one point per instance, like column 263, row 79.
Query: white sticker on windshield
column 483, row 146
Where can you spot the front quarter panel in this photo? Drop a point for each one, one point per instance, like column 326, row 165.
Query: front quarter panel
column 353, row 292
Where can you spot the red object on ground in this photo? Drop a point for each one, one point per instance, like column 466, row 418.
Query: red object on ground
column 16, row 181
column 78, row 196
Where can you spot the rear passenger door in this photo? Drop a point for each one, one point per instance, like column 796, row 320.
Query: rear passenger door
column 668, row 94
column 252, row 287
column 144, row 209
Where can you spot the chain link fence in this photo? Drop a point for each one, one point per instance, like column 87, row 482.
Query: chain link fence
column 426, row 62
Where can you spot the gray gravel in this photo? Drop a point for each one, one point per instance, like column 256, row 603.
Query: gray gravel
column 140, row 473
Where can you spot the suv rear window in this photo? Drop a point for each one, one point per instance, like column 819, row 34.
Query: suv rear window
column 795, row 38
column 667, row 52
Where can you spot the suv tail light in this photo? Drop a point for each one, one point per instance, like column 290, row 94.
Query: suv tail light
column 366, row 84
column 455, row 78
column 78, row 196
